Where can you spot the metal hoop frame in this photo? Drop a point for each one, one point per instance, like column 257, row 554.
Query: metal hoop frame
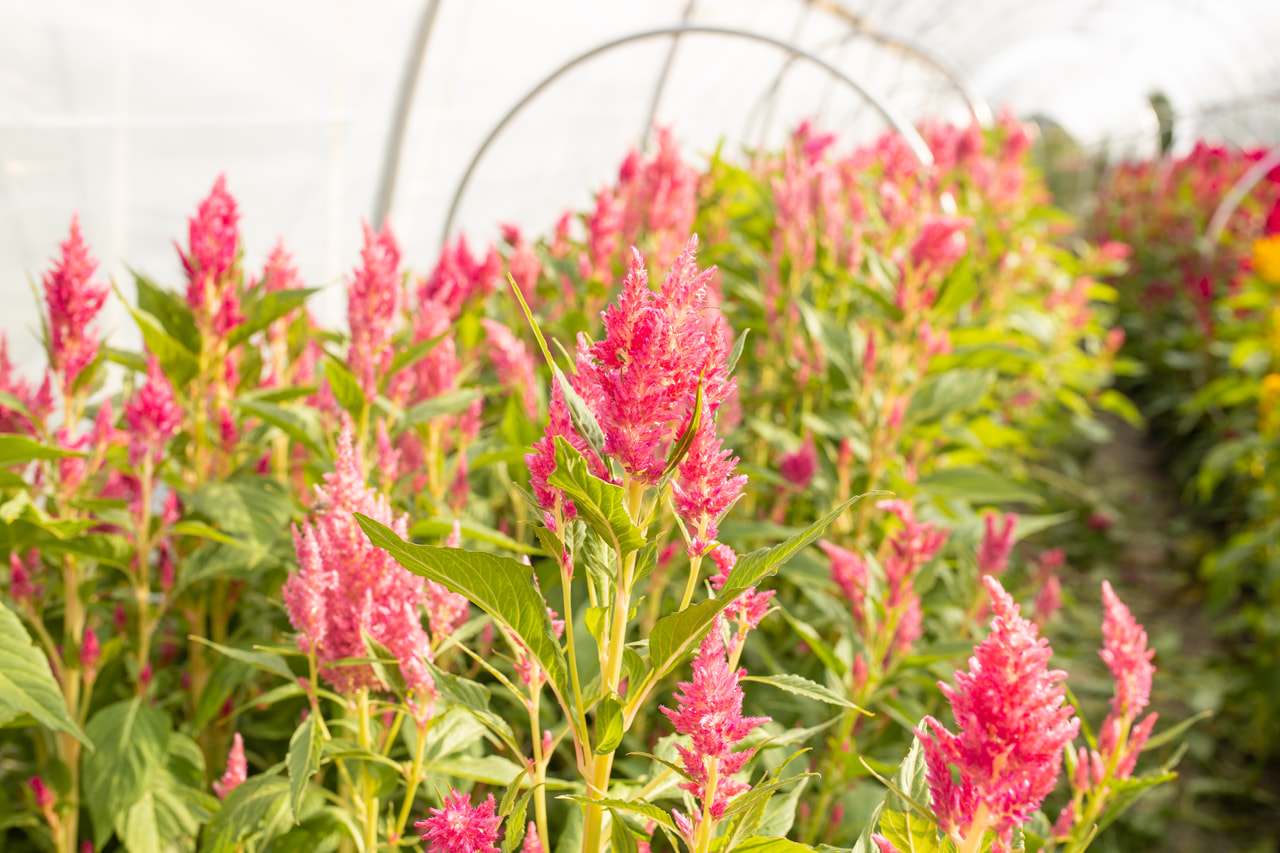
column 886, row 110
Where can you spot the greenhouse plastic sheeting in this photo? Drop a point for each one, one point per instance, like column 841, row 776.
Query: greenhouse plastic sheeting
column 126, row 112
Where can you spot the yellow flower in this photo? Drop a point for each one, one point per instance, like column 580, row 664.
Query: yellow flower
column 1266, row 258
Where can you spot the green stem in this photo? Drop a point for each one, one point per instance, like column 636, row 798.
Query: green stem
column 415, row 777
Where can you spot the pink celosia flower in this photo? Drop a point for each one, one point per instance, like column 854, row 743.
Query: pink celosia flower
column 604, row 228
column 749, row 608
column 941, row 244
column 461, row 828
column 523, row 262
column 542, row 458
column 706, row 485
column 1013, row 726
column 90, row 652
column 1126, row 654
column 345, row 587
column 237, row 769
column 883, row 844
column 21, row 589
column 44, row 795
column 512, row 363
column 659, row 194
column 641, row 380
column 709, row 711
column 73, row 302
column 997, row 543
column 38, row 403
column 458, row 276
column 214, row 243
column 532, row 843
column 909, row 549
column 799, row 466
column 849, row 571
column 1048, row 599
column 371, row 307
column 279, row 273
column 152, row 414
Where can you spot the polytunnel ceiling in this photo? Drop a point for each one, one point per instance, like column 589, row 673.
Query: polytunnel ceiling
column 126, row 111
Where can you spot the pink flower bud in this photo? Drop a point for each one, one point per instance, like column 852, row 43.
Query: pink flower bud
column 90, row 652
column 236, row 772
column 44, row 795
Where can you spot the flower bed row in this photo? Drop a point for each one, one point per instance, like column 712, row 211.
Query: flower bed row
column 458, row 555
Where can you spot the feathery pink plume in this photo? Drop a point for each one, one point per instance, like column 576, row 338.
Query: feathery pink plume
column 512, row 362
column 542, row 458
column 706, row 485
column 749, row 608
column 459, row 827
column 372, row 293
column 152, row 414
column 458, row 277
column 73, row 302
column 1126, row 654
column 849, row 572
column 21, row 590
column 237, row 769
column 997, row 543
column 1013, row 726
column 38, row 403
column 213, row 244
column 799, row 466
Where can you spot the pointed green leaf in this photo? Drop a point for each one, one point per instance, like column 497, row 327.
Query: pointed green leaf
column 767, row 844
column 178, row 363
column 26, row 682
column 445, row 404
column 259, row 804
column 608, row 725
column 601, row 505
column 640, row 809
column 300, row 424
column 909, row 832
column 268, row 661
column 130, row 740
column 801, row 686
column 261, row 311
column 20, row 449
column 172, row 312
column 620, row 836
column 304, row 760
column 500, row 586
column 344, row 385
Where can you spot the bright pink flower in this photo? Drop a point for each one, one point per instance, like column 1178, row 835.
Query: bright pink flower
column 604, row 228
column 372, row 293
column 345, row 587
column 1013, row 726
column 883, row 844
column 152, row 414
column 749, row 608
column 799, row 466
column 458, row 277
column 641, row 380
column 849, row 571
column 213, row 244
column 44, row 795
column 512, row 363
column 73, row 302
column 997, row 543
column 21, row 590
column 709, row 711
column 706, row 485
column 532, row 843
column 461, row 828
column 523, row 262
column 941, row 244
column 1126, row 654
column 1048, row 599
column 90, row 652
column 660, row 196
column 237, row 769
column 542, row 458
column 280, row 273
column 38, row 403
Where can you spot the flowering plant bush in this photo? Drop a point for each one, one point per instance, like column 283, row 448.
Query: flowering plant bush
column 355, row 573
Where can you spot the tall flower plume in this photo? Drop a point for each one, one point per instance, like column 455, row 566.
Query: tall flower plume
column 1013, row 726
column 512, row 362
column 459, row 827
column 152, row 414
column 213, row 240
column 73, row 302
column 237, row 769
column 345, row 587
column 997, row 543
column 371, row 307
column 709, row 711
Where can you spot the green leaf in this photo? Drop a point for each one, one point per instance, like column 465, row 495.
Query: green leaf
column 487, row 769
column 681, row 448
column 620, row 836
column 20, row 449
column 267, row 661
column 769, row 844
column 262, row 311
column 26, row 682
column 172, row 312
column 801, row 686
column 178, row 363
column 909, row 832
column 304, row 760
column 346, row 388
column 130, row 739
column 431, row 528
column 977, row 485
column 500, row 586
column 601, row 505
column 909, row 788
column 300, row 424
column 608, row 724
column 406, row 356
column 437, row 407
column 640, row 809
column 944, row 393
column 259, row 805
column 1174, row 732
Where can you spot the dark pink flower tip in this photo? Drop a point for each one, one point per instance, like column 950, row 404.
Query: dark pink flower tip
column 799, row 466
column 1013, row 727
column 459, row 827
column 372, row 294
column 73, row 302
column 941, row 243
column 90, row 651
column 1126, row 654
column 152, row 414
column 237, row 769
column 997, row 543
column 43, row 793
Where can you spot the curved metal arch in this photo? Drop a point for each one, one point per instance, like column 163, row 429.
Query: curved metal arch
column 1233, row 198
column 978, row 107
column 890, row 115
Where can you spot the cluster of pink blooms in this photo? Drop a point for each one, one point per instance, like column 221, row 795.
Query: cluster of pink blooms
column 1045, row 578
column 152, row 414
column 849, row 572
column 73, row 303
column 1013, row 725
column 910, row 548
column 997, row 543
column 1120, row 741
column 237, row 769
column 709, row 711
column 641, row 383
column 213, row 249
column 37, row 402
column 345, row 587
column 746, row 611
column 372, row 296
column 460, row 827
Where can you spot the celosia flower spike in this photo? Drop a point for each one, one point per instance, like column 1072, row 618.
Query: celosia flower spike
column 152, row 414
column 997, row 543
column 371, row 307
column 1013, row 726
column 1126, row 654
column 459, row 827
column 214, row 243
column 237, row 769
column 73, row 302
